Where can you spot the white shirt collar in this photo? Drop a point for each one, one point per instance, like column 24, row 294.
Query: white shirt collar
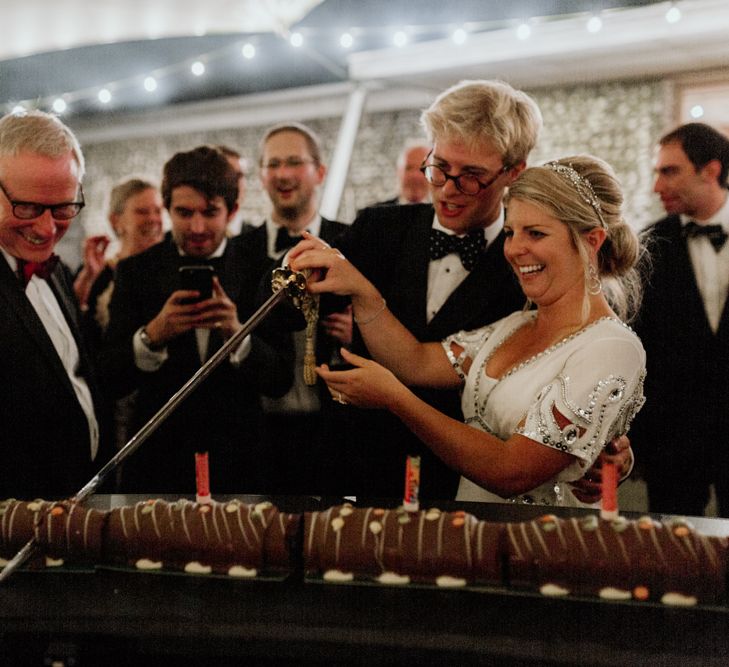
column 313, row 227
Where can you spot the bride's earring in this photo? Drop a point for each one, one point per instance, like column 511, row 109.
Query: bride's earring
column 594, row 285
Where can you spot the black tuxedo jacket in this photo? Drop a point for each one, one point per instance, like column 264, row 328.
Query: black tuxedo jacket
column 44, row 435
column 685, row 418
column 389, row 245
column 222, row 415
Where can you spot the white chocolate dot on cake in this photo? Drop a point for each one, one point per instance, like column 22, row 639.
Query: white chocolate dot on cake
column 338, row 576
column 146, row 564
column 194, row 567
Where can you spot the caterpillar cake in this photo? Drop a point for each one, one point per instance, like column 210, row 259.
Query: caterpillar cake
column 225, row 538
column 619, row 559
column 397, row 546
column 66, row 532
column 667, row 562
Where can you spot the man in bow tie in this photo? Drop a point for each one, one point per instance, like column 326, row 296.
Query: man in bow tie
column 160, row 334
column 441, row 269
column 440, row 266
column 681, row 435
column 291, row 172
column 50, row 411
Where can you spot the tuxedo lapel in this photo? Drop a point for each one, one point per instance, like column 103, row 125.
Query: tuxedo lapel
column 683, row 277
column 58, row 286
column 411, row 302
column 20, row 306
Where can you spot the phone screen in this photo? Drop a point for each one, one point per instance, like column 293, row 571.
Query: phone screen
column 198, row 277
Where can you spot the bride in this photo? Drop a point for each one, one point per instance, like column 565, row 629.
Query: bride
column 543, row 390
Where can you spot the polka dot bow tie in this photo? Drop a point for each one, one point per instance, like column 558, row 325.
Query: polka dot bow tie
column 468, row 247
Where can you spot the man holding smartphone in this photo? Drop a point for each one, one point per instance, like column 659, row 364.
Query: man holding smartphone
column 162, row 330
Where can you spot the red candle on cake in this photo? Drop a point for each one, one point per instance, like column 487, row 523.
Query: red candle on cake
column 202, row 478
column 609, row 491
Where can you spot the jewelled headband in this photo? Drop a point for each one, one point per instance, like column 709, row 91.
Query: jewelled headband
column 581, row 185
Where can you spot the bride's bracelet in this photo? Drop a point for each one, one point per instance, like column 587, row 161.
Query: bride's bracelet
column 373, row 317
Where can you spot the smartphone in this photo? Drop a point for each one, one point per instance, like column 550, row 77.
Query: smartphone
column 197, row 277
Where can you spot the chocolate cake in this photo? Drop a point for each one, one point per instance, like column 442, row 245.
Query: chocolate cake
column 398, row 546
column 226, row 538
column 619, row 559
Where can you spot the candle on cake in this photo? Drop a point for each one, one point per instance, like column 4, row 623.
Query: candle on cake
column 412, row 484
column 202, row 478
column 609, row 491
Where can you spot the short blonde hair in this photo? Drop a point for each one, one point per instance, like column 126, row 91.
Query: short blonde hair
column 619, row 256
column 476, row 111
column 41, row 133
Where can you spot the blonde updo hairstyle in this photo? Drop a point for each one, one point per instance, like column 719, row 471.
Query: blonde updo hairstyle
column 620, row 254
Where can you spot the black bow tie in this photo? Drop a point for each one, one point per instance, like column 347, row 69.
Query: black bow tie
column 26, row 270
column 284, row 241
column 715, row 233
column 468, row 247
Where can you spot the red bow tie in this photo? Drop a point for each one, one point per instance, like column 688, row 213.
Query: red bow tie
column 26, row 270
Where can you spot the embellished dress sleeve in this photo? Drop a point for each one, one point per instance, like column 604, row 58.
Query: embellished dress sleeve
column 471, row 343
column 592, row 399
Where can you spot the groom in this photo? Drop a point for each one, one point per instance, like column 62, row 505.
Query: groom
column 481, row 134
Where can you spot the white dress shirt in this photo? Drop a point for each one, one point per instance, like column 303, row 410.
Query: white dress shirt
column 711, row 268
column 46, row 306
column 447, row 273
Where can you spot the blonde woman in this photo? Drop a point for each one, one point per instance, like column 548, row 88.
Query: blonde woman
column 543, row 390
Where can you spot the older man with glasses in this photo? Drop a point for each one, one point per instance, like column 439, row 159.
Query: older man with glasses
column 50, row 412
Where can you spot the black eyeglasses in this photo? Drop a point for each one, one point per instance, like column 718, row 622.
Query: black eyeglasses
column 29, row 210
column 466, row 183
column 291, row 163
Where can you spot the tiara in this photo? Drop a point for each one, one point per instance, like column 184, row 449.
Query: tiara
column 581, row 185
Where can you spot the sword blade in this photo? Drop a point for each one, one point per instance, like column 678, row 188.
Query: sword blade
column 31, row 547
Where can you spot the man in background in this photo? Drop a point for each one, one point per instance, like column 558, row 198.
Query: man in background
column 681, row 433
column 412, row 188
column 50, row 411
column 160, row 334
column 292, row 171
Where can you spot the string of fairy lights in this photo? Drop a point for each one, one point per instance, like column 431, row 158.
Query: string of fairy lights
column 251, row 47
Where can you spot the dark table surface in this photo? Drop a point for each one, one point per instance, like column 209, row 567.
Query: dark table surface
column 109, row 617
